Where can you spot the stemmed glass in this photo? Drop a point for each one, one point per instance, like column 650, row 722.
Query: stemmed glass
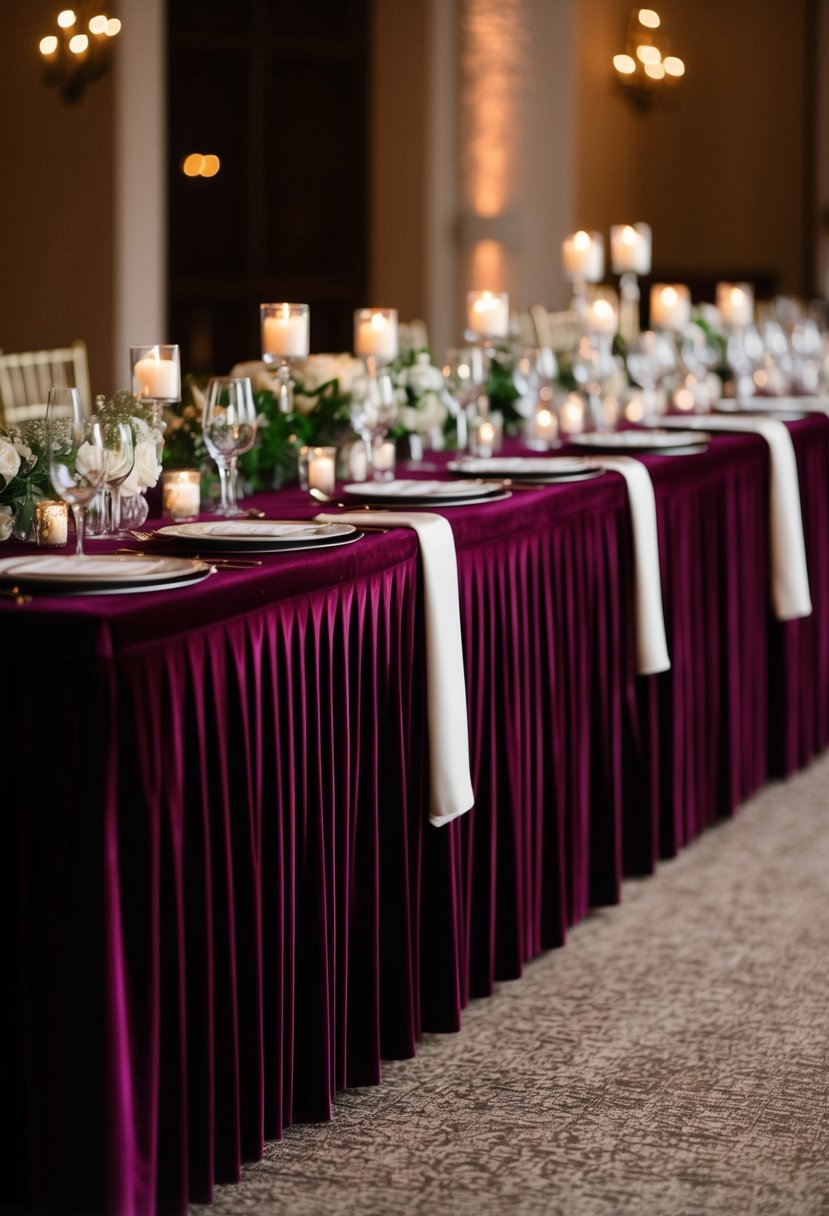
column 465, row 370
column 699, row 355
column 744, row 355
column 77, row 455
column 649, row 360
column 284, row 330
column 229, row 430
column 120, row 451
column 372, row 410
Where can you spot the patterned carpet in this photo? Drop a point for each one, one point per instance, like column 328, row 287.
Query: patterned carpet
column 671, row 1060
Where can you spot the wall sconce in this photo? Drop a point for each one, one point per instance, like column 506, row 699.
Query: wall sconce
column 80, row 52
column 647, row 73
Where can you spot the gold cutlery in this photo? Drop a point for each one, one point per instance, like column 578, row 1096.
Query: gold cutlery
column 225, row 563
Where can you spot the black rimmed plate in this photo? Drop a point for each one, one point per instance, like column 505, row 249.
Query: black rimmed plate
column 420, row 493
column 643, row 443
column 100, row 574
column 259, row 535
column 535, row 470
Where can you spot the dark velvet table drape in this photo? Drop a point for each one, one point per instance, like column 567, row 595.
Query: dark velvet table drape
column 221, row 899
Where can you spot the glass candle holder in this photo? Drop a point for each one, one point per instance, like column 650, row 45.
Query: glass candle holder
column 156, row 374
column 51, row 523
column 285, row 337
column 487, row 436
column 375, row 335
column 735, row 304
column 487, row 315
column 630, row 248
column 318, row 469
column 181, row 493
column 385, row 460
column 670, row 306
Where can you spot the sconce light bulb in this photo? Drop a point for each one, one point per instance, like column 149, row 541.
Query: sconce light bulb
column 648, row 54
column 649, row 18
column 673, row 66
column 624, row 64
column 113, row 27
column 66, row 19
column 98, row 25
column 48, row 45
column 78, row 44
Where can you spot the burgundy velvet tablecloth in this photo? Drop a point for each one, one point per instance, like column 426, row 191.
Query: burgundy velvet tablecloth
column 221, row 898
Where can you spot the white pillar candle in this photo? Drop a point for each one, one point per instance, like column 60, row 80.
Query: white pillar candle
column 375, row 333
column 156, row 378
column 602, row 317
column 735, row 303
column 545, row 427
column 572, row 415
column 51, row 522
column 285, row 336
column 322, row 469
column 487, row 314
column 582, row 256
column 630, row 248
column 670, row 306
column 181, row 493
column 385, row 457
column 358, row 461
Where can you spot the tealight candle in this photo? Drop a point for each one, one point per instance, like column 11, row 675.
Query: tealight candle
column 322, row 469
column 385, row 459
column 602, row 317
column 284, row 331
column 670, row 306
column 156, row 372
column 735, row 303
column 181, row 493
column 545, row 426
column 375, row 333
column 582, row 256
column 487, row 314
column 51, row 522
column 487, row 436
column 630, row 248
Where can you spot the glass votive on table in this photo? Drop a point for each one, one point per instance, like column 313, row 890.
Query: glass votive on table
column 156, row 372
column 318, row 468
column 487, row 436
column 385, row 459
column 181, row 493
column 542, row 430
column 51, row 523
column 573, row 414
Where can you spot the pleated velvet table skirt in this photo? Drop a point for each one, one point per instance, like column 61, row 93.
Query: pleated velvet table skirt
column 222, row 901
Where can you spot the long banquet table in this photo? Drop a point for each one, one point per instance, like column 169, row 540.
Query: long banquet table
column 222, row 900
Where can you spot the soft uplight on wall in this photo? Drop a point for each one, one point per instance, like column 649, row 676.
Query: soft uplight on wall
column 647, row 73
column 79, row 53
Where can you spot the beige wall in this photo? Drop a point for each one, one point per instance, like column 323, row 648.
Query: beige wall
column 56, row 202
column 721, row 180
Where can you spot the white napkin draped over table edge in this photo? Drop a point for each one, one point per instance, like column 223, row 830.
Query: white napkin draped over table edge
column 450, row 782
column 651, row 643
column 790, row 595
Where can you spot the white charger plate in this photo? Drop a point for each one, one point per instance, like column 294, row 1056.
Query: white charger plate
column 656, row 442
column 101, row 574
column 420, row 493
column 260, row 535
column 533, row 468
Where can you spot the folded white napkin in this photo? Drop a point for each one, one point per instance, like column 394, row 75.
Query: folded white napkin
column 651, row 644
column 789, row 575
column 450, row 783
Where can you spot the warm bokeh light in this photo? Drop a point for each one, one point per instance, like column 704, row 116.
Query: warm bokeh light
column 211, row 165
column 649, row 18
column 78, row 44
column 49, row 45
column 673, row 65
column 66, row 18
column 649, row 54
column 488, row 263
column 193, row 165
column 113, row 27
column 624, row 64
column 98, row 25
column 629, row 236
column 669, row 296
column 582, row 239
column 656, row 71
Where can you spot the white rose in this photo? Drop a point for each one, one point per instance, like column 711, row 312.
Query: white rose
column 24, row 452
column 9, row 460
column 89, row 460
column 425, row 377
column 146, row 463
column 6, row 523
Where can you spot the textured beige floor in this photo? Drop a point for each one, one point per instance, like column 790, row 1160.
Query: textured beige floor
column 671, row 1060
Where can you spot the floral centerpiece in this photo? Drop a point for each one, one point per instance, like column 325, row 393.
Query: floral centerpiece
column 147, row 434
column 24, row 476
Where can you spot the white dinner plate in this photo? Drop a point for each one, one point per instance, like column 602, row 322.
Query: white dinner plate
column 657, row 442
column 531, row 468
column 100, row 574
column 787, row 409
column 259, row 535
column 421, row 492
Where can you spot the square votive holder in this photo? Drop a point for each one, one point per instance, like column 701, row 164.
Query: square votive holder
column 487, row 436
column 318, row 469
column 51, row 523
column 181, row 493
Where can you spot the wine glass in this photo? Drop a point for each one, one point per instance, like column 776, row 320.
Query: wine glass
column 465, row 370
column 649, row 360
column 77, row 455
column 700, row 356
column 120, row 449
column 229, row 427
column 372, row 410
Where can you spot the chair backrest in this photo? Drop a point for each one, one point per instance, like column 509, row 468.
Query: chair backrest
column 25, row 380
column 564, row 329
